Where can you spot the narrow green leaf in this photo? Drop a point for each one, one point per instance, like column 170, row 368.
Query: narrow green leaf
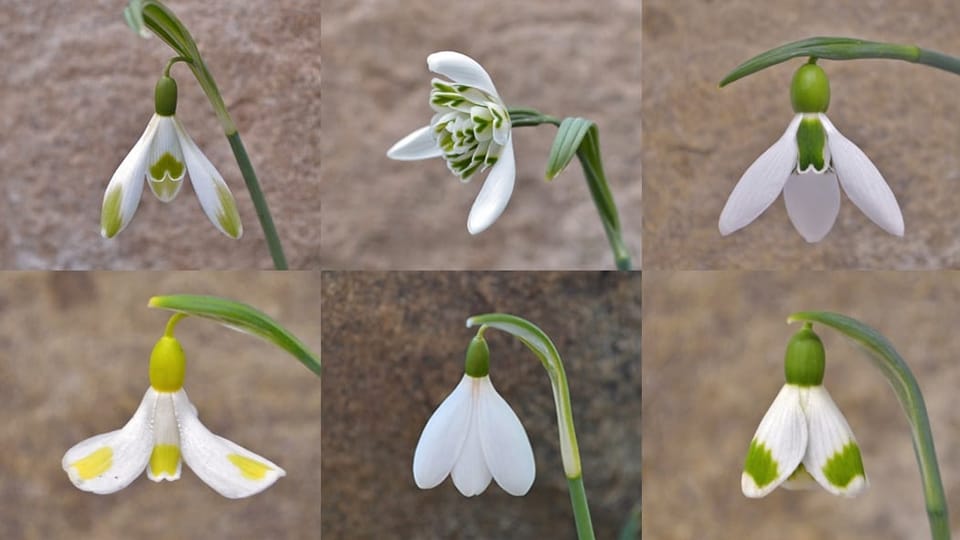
column 239, row 317
column 566, row 144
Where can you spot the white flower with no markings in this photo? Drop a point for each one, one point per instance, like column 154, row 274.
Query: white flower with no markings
column 806, row 164
column 162, row 158
column 471, row 130
column 165, row 428
column 474, row 436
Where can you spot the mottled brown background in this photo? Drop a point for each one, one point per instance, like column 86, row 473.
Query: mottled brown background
column 76, row 348
column 77, row 92
column 563, row 58
column 394, row 346
column 699, row 139
column 713, row 349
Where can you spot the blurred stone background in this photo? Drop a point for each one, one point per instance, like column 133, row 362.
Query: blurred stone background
column 563, row 58
column 394, row 346
column 713, row 349
column 76, row 349
column 77, row 92
column 699, row 139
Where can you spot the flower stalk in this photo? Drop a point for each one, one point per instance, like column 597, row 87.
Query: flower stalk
column 538, row 342
column 905, row 386
column 146, row 16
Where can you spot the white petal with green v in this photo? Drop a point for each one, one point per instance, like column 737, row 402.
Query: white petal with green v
column 762, row 183
column 122, row 197
column 778, row 446
column 862, row 182
column 813, row 202
column 833, row 456
column 165, row 167
column 421, row 144
column 215, row 197
column 461, row 69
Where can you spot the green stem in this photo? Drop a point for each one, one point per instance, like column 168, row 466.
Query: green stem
column 538, row 342
column 841, row 48
column 161, row 21
column 905, row 386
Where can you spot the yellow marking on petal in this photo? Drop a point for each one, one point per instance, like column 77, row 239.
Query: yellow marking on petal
column 164, row 459
column 251, row 469
column 94, row 464
column 227, row 215
column 110, row 218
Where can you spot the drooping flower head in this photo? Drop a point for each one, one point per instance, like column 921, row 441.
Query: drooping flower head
column 163, row 157
column 164, row 432
column 475, row 437
column 806, row 164
column 471, row 130
column 803, row 435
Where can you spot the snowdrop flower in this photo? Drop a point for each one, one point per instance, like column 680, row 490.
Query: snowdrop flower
column 162, row 157
column 474, row 436
column 805, row 164
column 165, row 428
column 471, row 130
column 803, row 435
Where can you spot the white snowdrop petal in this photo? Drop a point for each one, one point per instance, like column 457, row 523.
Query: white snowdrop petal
column 421, row 144
column 506, row 447
column 165, row 165
column 762, row 182
column 443, row 437
column 109, row 462
column 461, row 69
column 213, row 193
column 813, row 202
column 778, row 445
column 862, row 182
column 495, row 194
column 833, row 456
column 470, row 472
column 122, row 196
column 228, row 468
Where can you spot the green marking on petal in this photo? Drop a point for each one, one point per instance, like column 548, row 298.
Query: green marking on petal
column 760, row 464
column 844, row 466
column 166, row 165
column 110, row 218
column 811, row 142
column 227, row 216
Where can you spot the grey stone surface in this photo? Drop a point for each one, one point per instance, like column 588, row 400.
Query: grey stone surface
column 76, row 349
column 564, row 58
column 77, row 92
column 394, row 345
column 713, row 361
column 699, row 139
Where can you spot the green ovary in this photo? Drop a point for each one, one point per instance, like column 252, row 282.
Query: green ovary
column 844, row 466
column 760, row 464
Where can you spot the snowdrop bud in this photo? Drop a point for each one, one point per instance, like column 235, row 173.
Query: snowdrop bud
column 810, row 90
column 166, row 96
column 167, row 365
column 805, row 359
column 478, row 358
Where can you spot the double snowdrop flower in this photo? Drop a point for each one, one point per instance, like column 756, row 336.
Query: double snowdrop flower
column 470, row 130
column 805, row 164
column 164, row 429
column 803, row 435
column 162, row 157
column 474, row 436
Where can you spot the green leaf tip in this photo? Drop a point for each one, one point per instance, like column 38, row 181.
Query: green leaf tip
column 241, row 317
column 567, row 143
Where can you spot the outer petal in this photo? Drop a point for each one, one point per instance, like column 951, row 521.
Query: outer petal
column 461, row 69
column 421, row 144
column 862, row 182
column 109, row 462
column 122, row 196
column 165, row 168
column 441, row 441
column 504, row 441
column 762, row 183
column 833, row 456
column 214, row 195
column 495, row 194
column 778, row 445
column 470, row 473
column 813, row 202
column 231, row 470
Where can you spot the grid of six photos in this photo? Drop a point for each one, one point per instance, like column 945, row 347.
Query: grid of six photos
column 479, row 270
